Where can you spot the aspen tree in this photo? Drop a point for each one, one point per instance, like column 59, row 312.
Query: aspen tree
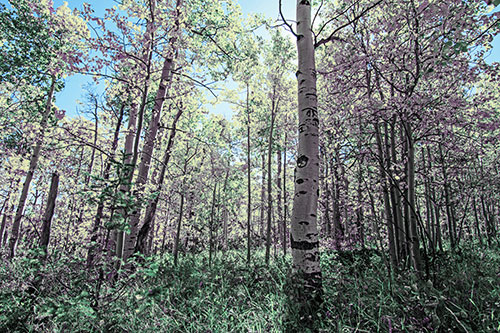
column 304, row 230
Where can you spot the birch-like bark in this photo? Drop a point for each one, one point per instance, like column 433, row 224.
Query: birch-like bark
column 151, row 209
column 304, row 229
column 147, row 152
column 3, row 227
column 125, row 188
column 16, row 226
column 396, row 198
column 6, row 213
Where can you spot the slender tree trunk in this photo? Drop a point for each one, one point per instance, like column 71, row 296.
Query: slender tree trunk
column 225, row 210
column 278, row 195
column 262, row 199
column 5, row 235
column 269, row 182
column 132, row 147
column 269, row 186
column 428, row 200
column 151, row 209
column 6, row 214
column 414, row 241
column 178, row 233
column 405, row 201
column 16, row 226
column 74, row 212
column 8, row 220
column 152, row 233
column 100, row 207
column 3, row 228
column 125, row 188
column 49, row 212
column 225, row 228
column 91, row 162
column 304, row 230
column 147, row 152
column 487, row 221
column 428, row 210
column 337, row 217
column 249, row 177
column 359, row 209
column 94, row 145
column 285, row 202
column 447, row 199
column 476, row 219
column 328, row 193
column 396, row 199
column 211, row 227
column 439, row 238
column 165, row 226
column 385, row 192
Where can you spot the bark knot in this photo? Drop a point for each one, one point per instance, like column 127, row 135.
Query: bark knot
column 302, row 161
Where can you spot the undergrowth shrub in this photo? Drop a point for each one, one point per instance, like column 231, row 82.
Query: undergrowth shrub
column 62, row 295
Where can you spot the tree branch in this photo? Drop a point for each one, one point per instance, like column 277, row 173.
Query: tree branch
column 285, row 21
column 357, row 17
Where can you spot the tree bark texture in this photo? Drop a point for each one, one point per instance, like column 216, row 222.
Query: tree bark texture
column 125, row 188
column 16, row 225
column 304, row 229
column 151, row 209
column 49, row 212
column 147, row 151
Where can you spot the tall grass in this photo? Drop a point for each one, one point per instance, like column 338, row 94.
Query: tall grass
column 359, row 295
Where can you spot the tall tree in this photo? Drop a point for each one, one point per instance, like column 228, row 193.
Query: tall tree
column 304, row 238
column 14, row 237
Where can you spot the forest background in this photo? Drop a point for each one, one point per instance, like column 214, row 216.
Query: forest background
column 179, row 166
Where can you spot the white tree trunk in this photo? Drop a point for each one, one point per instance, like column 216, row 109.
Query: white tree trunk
column 304, row 231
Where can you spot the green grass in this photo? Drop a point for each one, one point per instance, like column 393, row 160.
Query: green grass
column 359, row 295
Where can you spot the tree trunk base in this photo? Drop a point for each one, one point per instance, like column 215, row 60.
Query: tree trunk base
column 304, row 303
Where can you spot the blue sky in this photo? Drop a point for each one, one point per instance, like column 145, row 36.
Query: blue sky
column 74, row 90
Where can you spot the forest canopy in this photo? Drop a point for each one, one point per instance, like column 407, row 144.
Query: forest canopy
column 354, row 185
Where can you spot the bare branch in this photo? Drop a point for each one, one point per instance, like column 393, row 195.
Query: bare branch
column 317, row 13
column 357, row 17
column 197, row 82
column 285, row 21
column 335, row 18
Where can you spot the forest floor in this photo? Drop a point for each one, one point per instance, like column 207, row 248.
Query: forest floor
column 461, row 294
